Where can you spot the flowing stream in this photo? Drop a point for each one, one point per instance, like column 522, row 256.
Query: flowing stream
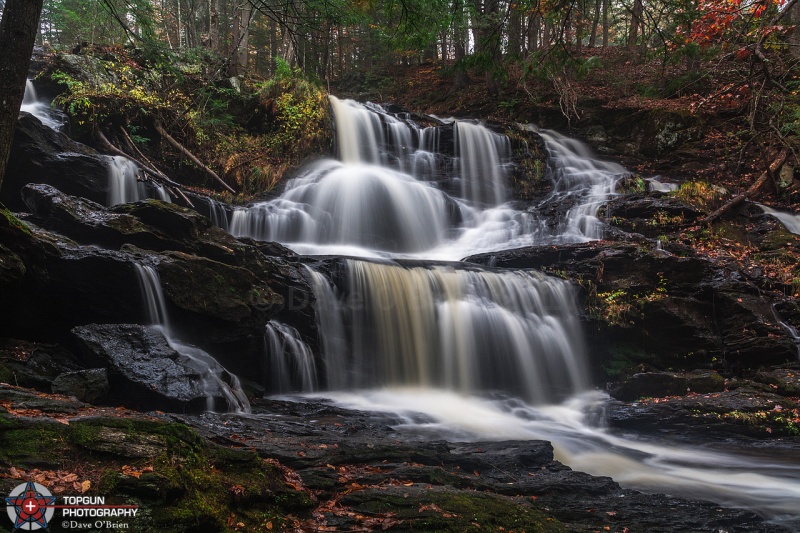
column 41, row 109
column 212, row 377
column 483, row 353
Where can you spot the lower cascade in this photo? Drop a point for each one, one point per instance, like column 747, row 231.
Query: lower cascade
column 292, row 366
column 210, row 373
column 466, row 330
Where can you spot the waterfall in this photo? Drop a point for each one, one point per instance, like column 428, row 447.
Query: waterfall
column 218, row 214
column 453, row 350
column 52, row 118
column 292, row 365
column 582, row 179
column 124, row 185
column 481, row 154
column 461, row 329
column 395, row 193
column 211, row 375
column 789, row 220
column 353, row 205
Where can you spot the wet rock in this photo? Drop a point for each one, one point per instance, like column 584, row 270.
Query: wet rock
column 42, row 155
column 372, row 470
column 649, row 385
column 85, row 385
column 783, row 381
column 89, row 222
column 668, row 311
column 34, row 365
column 651, row 215
column 743, row 410
column 224, row 302
column 144, row 371
column 659, row 384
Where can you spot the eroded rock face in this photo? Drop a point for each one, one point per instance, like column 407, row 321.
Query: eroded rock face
column 144, row 371
column 220, row 292
column 34, row 365
column 42, row 155
column 665, row 311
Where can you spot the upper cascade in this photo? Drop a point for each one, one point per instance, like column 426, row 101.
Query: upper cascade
column 434, row 190
column 124, row 185
column 50, row 117
column 481, row 154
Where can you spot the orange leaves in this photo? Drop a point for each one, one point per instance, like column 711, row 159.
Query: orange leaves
column 290, row 477
column 57, row 481
column 234, row 523
column 719, row 18
column 133, row 472
column 436, row 509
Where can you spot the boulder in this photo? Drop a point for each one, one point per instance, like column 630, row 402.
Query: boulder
column 88, row 222
column 42, row 155
column 247, row 275
column 34, row 365
column 144, row 371
column 217, row 301
column 84, row 385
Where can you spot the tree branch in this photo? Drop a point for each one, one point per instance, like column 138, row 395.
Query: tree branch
column 192, row 157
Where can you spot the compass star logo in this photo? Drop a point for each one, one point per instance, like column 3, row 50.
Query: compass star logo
column 29, row 506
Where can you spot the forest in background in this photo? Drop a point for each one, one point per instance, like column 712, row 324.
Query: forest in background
column 242, row 84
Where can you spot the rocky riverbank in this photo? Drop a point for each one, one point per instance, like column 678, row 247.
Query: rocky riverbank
column 310, row 466
column 693, row 346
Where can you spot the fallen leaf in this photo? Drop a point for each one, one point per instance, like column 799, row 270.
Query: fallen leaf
column 130, row 471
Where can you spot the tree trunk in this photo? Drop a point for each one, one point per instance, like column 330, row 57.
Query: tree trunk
column 243, row 52
column 514, row 32
column 18, row 30
column 272, row 28
column 636, row 22
column 534, row 27
column 595, row 23
column 606, row 22
column 546, row 31
column 793, row 19
column 213, row 25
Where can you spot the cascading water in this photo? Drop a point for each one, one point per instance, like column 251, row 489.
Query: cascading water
column 578, row 176
column 480, row 155
column 211, row 375
column 458, row 329
column 124, row 185
column 485, row 354
column 292, row 365
column 789, row 220
column 52, row 118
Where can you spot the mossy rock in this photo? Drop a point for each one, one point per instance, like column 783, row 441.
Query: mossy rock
column 182, row 483
column 447, row 509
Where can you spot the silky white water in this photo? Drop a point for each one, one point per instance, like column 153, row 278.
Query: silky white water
column 211, row 375
column 52, row 118
column 124, row 185
column 482, row 353
column 767, row 482
column 789, row 220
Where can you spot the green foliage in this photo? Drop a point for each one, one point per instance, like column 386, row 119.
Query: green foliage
column 700, row 194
